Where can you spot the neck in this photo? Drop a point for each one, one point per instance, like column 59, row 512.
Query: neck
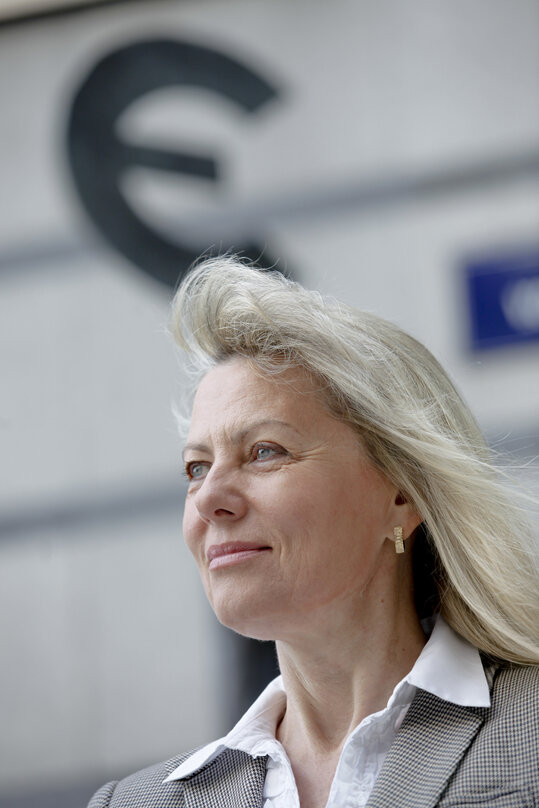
column 347, row 666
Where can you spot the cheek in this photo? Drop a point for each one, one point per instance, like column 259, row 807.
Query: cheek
column 191, row 528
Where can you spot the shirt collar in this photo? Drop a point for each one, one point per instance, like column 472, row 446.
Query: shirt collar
column 254, row 733
column 448, row 667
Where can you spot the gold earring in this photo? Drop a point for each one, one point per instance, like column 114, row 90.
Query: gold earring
column 399, row 542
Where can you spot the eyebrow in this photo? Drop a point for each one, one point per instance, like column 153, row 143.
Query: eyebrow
column 240, row 435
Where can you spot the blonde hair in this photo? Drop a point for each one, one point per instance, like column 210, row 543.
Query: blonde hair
column 390, row 389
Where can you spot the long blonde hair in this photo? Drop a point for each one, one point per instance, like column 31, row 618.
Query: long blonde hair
column 390, row 389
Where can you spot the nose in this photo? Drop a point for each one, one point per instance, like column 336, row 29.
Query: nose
column 219, row 498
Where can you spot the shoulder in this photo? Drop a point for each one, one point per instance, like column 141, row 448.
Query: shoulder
column 218, row 782
column 501, row 764
column 146, row 783
column 515, row 689
column 509, row 740
column 514, row 711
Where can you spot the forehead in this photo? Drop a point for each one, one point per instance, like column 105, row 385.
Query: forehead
column 236, row 387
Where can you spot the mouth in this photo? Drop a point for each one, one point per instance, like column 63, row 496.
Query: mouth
column 230, row 553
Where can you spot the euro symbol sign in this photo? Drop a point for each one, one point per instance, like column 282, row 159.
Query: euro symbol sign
column 99, row 158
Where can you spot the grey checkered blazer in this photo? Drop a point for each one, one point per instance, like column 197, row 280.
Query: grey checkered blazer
column 443, row 755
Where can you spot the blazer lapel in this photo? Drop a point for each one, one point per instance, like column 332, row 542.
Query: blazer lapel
column 232, row 780
column 427, row 748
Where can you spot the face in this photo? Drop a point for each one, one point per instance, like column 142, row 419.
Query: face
column 285, row 514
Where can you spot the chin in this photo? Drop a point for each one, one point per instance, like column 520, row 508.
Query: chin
column 249, row 617
column 251, row 631
column 246, row 625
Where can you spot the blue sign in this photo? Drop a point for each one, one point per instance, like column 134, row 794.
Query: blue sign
column 503, row 300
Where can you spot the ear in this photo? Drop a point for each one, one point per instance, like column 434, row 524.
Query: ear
column 405, row 515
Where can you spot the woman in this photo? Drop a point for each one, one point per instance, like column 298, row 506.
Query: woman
column 341, row 502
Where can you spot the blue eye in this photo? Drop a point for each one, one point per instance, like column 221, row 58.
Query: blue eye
column 263, row 452
column 195, row 470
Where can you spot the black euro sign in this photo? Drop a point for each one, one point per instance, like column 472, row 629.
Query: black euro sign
column 99, row 158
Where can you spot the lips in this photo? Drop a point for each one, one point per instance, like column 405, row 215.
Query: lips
column 230, row 553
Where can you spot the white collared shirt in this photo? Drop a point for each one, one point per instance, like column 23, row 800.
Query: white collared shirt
column 448, row 666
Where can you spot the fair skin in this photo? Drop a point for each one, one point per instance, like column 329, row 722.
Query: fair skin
column 291, row 524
